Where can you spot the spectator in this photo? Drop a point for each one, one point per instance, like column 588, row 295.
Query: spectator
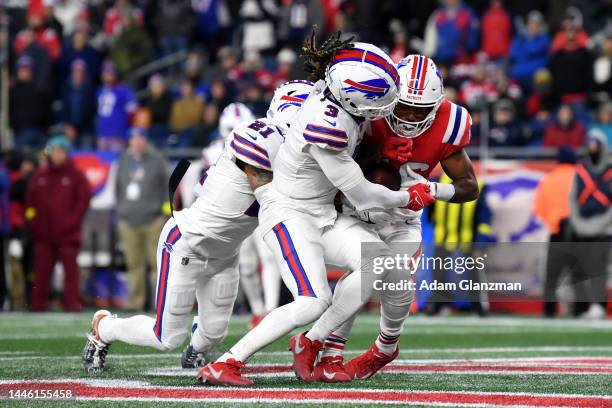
column 551, row 206
column 401, row 46
column 250, row 71
column 591, row 218
column 186, row 113
column 173, row 20
column 602, row 71
column 79, row 107
column 286, row 59
column 45, row 36
column 69, row 14
column 507, row 88
column 193, row 73
column 207, row 131
column 207, row 20
column 27, row 45
column 565, row 131
column 505, row 130
column 477, row 92
column 4, row 230
column 30, row 111
column 542, row 98
column 529, row 51
column 113, row 19
column 603, row 121
column 116, row 105
column 159, row 103
column 296, row 19
column 571, row 65
column 255, row 100
column 132, row 47
column 21, row 166
column 496, row 31
column 142, row 204
column 55, row 224
column 219, row 95
column 78, row 47
column 451, row 33
column 258, row 28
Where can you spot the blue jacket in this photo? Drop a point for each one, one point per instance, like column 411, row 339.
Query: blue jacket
column 528, row 55
column 457, row 35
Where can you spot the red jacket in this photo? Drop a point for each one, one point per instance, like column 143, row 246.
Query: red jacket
column 59, row 197
column 556, row 136
column 496, row 32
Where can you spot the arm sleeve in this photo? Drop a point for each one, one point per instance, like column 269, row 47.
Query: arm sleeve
column 346, row 175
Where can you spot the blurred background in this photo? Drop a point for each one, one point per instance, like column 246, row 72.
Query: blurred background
column 89, row 88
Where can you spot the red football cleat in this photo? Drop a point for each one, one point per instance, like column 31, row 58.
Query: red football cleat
column 227, row 373
column 305, row 353
column 368, row 363
column 331, row 370
column 255, row 320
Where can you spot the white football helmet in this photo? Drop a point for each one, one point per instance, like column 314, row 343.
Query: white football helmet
column 364, row 80
column 287, row 99
column 232, row 116
column 420, row 86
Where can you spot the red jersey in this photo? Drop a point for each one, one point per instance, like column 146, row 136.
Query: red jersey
column 448, row 134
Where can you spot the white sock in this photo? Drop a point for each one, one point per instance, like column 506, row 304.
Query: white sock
column 276, row 324
column 135, row 330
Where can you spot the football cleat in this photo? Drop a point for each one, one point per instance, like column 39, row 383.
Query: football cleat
column 331, row 370
column 369, row 363
column 226, row 373
column 305, row 352
column 95, row 350
column 190, row 358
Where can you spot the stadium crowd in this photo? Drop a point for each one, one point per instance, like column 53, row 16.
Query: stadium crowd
column 531, row 72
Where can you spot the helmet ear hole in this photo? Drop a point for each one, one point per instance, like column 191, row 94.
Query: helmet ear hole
column 353, row 105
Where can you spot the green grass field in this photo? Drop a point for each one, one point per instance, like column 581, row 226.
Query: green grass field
column 499, row 361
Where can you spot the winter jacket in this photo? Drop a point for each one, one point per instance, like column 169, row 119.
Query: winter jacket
column 57, row 201
column 527, row 55
column 556, row 136
column 591, row 211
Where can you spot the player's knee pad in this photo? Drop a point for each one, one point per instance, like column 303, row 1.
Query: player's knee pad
column 308, row 309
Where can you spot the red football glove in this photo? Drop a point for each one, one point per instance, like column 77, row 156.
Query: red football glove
column 397, row 149
column 419, row 197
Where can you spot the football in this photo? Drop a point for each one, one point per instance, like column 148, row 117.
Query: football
column 384, row 174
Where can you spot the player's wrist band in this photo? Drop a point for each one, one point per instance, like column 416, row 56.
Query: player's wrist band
column 443, row 192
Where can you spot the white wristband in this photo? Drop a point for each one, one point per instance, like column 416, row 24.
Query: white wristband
column 443, row 192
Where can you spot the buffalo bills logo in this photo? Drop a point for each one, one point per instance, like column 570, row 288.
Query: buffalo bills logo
column 372, row 89
column 291, row 100
column 168, row 246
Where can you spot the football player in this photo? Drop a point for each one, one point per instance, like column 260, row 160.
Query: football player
column 298, row 219
column 197, row 251
column 437, row 130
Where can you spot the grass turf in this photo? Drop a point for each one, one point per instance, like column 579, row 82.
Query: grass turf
column 48, row 346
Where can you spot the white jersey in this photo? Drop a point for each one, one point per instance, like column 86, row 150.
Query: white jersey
column 223, row 215
column 225, row 212
column 298, row 179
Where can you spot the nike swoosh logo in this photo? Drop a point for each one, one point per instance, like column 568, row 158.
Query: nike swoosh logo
column 298, row 349
column 328, row 375
column 362, row 376
column 330, row 122
column 216, row 374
